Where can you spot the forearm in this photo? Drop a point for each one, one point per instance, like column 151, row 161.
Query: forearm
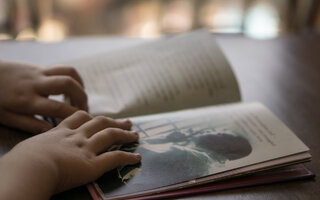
column 25, row 177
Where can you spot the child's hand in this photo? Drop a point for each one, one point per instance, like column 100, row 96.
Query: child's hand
column 24, row 90
column 67, row 156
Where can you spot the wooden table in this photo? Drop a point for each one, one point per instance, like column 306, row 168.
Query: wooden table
column 282, row 73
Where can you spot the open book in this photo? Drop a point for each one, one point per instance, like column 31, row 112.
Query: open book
column 171, row 89
column 186, row 71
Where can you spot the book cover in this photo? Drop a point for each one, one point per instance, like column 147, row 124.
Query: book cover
column 288, row 173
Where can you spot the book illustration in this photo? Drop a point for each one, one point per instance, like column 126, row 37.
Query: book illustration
column 202, row 151
column 186, row 146
column 175, row 151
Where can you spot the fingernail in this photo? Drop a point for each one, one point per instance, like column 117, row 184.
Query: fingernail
column 135, row 133
column 127, row 121
column 138, row 156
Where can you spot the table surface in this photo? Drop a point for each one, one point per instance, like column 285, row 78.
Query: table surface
column 282, row 73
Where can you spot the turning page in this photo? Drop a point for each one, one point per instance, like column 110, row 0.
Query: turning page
column 179, row 72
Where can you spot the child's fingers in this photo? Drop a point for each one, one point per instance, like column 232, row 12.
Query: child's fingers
column 63, row 70
column 76, row 120
column 99, row 123
column 64, row 85
column 50, row 108
column 110, row 160
column 104, row 139
column 25, row 122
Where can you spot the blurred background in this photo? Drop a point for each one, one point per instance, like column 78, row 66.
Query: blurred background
column 54, row 20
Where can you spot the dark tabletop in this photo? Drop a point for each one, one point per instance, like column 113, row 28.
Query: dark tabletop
column 283, row 74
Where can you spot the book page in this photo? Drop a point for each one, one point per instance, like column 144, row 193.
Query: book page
column 168, row 74
column 204, row 144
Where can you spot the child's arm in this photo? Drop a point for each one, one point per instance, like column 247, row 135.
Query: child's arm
column 67, row 156
column 24, row 91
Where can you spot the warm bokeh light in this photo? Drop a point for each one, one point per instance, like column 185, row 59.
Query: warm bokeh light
column 142, row 20
column 178, row 16
column 26, row 34
column 223, row 16
column 4, row 36
column 52, row 31
column 54, row 20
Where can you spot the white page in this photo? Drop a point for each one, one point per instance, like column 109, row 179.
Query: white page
column 180, row 72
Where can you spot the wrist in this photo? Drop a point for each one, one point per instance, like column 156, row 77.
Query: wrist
column 34, row 176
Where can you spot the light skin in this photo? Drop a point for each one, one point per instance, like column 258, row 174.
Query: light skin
column 71, row 154
column 24, row 93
